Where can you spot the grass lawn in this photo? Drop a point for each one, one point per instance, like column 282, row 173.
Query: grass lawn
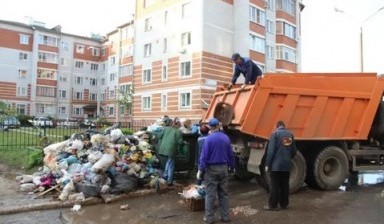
column 16, row 145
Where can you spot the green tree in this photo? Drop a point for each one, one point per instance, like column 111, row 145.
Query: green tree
column 125, row 97
column 6, row 109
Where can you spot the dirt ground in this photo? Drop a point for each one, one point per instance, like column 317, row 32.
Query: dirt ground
column 359, row 204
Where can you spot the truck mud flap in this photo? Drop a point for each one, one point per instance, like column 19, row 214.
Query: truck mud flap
column 254, row 161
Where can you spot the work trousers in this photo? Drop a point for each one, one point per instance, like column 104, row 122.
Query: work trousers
column 279, row 189
column 216, row 181
column 169, row 170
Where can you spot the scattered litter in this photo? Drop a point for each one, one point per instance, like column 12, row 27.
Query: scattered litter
column 76, row 208
column 124, row 207
column 246, row 210
column 343, row 188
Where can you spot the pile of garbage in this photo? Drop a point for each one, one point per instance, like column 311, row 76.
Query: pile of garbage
column 91, row 164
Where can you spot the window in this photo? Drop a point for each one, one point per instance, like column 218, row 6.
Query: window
column 285, row 53
column 185, row 100
column 112, row 94
column 185, row 69
column 270, row 26
column 45, row 91
column 147, row 3
column 62, row 110
column 64, row 62
column 112, row 61
column 186, row 10
column 77, row 111
column 46, row 74
column 79, row 64
column 21, row 91
column 102, row 96
column 103, row 67
column 65, row 45
column 127, row 33
column 270, row 51
column 94, row 67
column 165, row 45
column 103, row 52
column 21, row 108
column 111, row 111
column 62, row 78
column 22, row 74
column 146, row 103
column 147, row 76
column 127, row 51
column 102, row 81
column 79, row 80
column 78, row 95
column 287, row 6
column 126, row 70
column 147, row 50
column 185, row 39
column 24, row 39
column 23, row 56
column 271, row 4
column 164, row 74
column 285, row 29
column 95, row 51
column 47, row 57
column 256, row 15
column 80, row 49
column 165, row 17
column 148, row 24
column 40, row 108
column 93, row 81
column 164, row 102
column 48, row 40
column 63, row 94
column 93, row 96
column 112, row 77
column 257, row 43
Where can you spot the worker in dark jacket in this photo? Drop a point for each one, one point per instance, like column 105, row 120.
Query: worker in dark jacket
column 246, row 67
column 215, row 160
column 281, row 149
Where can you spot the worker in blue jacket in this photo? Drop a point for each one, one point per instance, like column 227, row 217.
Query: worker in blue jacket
column 216, row 160
column 247, row 67
column 281, row 149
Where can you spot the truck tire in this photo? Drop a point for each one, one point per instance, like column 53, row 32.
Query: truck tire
column 330, row 168
column 296, row 178
column 298, row 173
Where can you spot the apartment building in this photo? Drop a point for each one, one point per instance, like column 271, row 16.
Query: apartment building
column 44, row 72
column 168, row 60
column 183, row 49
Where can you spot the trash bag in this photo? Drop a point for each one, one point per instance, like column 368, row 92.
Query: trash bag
column 88, row 189
column 122, row 183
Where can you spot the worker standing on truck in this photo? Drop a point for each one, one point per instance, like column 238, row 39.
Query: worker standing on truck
column 215, row 161
column 246, row 67
column 281, row 149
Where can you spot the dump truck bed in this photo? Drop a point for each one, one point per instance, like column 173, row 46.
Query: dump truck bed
column 317, row 106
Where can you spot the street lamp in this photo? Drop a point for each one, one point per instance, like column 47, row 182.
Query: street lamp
column 337, row 10
column 361, row 38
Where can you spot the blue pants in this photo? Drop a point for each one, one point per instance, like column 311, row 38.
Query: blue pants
column 216, row 181
column 169, row 170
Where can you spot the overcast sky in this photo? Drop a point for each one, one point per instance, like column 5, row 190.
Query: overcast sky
column 330, row 40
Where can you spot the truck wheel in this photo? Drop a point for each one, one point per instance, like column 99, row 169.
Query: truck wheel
column 296, row 178
column 298, row 172
column 330, row 168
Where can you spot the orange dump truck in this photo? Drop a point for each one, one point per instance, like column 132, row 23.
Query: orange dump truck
column 337, row 120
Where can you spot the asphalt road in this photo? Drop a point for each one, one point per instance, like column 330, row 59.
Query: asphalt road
column 359, row 204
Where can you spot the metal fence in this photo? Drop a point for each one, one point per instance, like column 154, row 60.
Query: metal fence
column 30, row 136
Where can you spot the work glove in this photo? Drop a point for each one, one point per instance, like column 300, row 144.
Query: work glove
column 229, row 86
column 199, row 175
column 266, row 169
column 242, row 87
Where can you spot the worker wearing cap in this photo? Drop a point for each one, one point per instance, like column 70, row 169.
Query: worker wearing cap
column 215, row 160
column 247, row 67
